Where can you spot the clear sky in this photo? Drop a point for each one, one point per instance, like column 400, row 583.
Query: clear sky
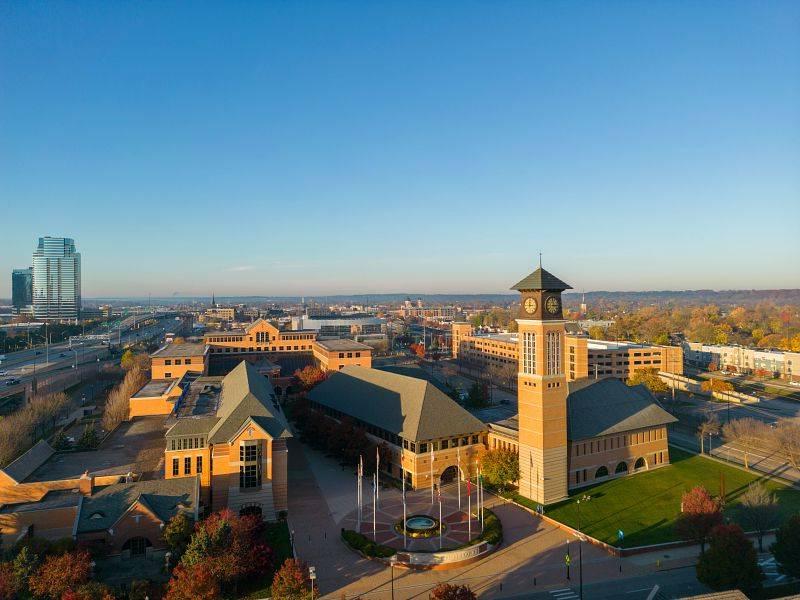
column 339, row 147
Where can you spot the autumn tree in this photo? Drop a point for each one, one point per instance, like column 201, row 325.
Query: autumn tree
column 291, row 581
column 93, row 590
column 8, row 583
column 193, row 583
column 710, row 426
column 759, row 511
column 24, row 565
column 449, row 591
column 786, row 548
column 500, row 467
column 309, row 376
column 61, row 574
column 650, row 379
column 716, row 385
column 700, row 513
column 746, row 433
column 418, row 350
column 731, row 561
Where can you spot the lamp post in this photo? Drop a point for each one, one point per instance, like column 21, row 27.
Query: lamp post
column 583, row 499
column 312, row 575
column 392, row 561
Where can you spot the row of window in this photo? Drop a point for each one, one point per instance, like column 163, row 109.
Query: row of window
column 187, row 443
column 178, row 361
column 620, row 441
column 187, row 465
column 425, row 447
column 261, row 349
column 349, row 355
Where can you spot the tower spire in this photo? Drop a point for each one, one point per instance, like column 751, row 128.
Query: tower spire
column 540, row 260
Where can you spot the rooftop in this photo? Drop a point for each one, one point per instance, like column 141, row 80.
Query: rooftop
column 180, row 349
column 53, row 499
column 609, row 345
column 413, row 408
column 343, row 345
column 155, row 388
column 201, row 398
column 541, row 280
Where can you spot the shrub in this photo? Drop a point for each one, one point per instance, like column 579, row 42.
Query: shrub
column 366, row 546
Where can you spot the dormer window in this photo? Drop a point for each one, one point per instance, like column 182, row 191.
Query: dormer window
column 97, row 515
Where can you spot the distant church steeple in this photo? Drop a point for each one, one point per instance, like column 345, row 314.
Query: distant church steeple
column 213, row 301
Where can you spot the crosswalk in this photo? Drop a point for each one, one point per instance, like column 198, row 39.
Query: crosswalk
column 564, row 594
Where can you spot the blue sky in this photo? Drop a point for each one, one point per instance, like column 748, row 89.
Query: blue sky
column 327, row 147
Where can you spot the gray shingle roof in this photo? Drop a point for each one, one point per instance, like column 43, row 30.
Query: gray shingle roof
column 192, row 426
column 608, row 406
column 413, row 408
column 541, row 280
column 246, row 393
column 26, row 464
column 165, row 497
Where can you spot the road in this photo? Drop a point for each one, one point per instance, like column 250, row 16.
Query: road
column 27, row 364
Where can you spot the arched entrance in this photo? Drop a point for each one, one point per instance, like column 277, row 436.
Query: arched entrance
column 449, row 475
column 640, row 464
column 137, row 546
column 601, row 472
column 621, row 468
column 250, row 510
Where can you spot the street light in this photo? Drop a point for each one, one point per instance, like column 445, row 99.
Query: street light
column 392, row 561
column 583, row 499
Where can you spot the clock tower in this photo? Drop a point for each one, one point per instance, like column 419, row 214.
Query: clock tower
column 542, row 389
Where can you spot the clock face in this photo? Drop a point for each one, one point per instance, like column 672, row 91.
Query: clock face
column 530, row 305
column 552, row 305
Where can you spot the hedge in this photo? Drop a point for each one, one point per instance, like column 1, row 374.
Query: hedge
column 366, row 546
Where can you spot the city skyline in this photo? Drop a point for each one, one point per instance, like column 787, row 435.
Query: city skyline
column 353, row 149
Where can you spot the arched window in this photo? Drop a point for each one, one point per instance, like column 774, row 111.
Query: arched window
column 137, row 546
column 601, row 472
column 640, row 464
column 621, row 468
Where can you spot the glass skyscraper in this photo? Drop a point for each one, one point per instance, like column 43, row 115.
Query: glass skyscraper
column 21, row 288
column 56, row 279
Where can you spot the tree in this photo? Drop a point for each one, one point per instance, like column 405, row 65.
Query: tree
column 291, row 582
column 731, row 561
column 759, row 511
column 94, row 590
column 309, row 376
column 596, row 332
column 478, row 395
column 193, row 583
column 700, row 513
column 748, row 434
column 24, row 566
column 89, row 439
column 650, row 379
column 449, row 591
column 786, row 438
column 178, row 532
column 418, row 350
column 716, row 385
column 786, row 548
column 61, row 574
column 708, row 427
column 500, row 467
column 8, row 583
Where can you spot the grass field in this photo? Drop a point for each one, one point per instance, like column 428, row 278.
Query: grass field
column 646, row 505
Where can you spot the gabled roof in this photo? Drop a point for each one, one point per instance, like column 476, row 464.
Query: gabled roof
column 31, row 460
column 257, row 322
column 163, row 497
column 541, row 280
column 412, row 408
column 609, row 406
column 246, row 393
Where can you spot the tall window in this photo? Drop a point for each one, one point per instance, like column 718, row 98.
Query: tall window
column 529, row 353
column 187, row 465
column 250, row 467
column 553, row 353
column 199, row 464
column 175, row 467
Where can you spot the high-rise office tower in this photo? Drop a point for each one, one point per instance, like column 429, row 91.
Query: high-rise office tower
column 21, row 289
column 56, row 279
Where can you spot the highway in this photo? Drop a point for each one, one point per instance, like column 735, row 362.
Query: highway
column 26, row 364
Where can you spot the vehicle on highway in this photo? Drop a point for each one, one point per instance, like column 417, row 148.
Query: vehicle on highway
column 38, row 352
column 795, row 383
column 3, row 373
column 62, row 355
column 12, row 381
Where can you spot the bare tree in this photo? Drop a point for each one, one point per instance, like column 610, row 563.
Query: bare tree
column 786, row 439
column 759, row 510
column 748, row 434
column 118, row 403
column 708, row 427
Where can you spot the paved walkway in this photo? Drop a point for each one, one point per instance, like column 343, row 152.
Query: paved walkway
column 531, row 557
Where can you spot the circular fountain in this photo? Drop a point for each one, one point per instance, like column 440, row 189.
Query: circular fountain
column 419, row 526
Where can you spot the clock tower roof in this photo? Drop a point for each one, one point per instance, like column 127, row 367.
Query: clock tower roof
column 541, row 280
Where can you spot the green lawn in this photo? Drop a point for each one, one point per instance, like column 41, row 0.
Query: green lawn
column 646, row 505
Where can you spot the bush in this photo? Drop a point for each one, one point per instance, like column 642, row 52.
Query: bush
column 492, row 528
column 366, row 546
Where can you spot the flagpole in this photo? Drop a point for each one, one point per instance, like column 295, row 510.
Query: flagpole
column 358, row 497
column 458, row 453
column 469, row 512
column 403, row 474
column 377, row 477
column 440, row 520
column 374, row 507
column 431, row 472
